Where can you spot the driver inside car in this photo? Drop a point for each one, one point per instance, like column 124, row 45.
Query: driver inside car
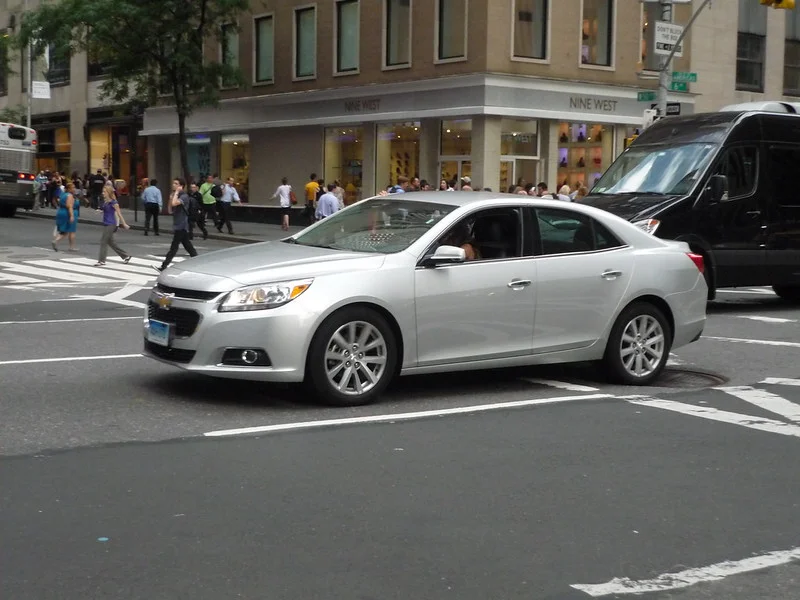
column 461, row 237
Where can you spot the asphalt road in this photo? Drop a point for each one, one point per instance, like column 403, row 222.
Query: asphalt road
column 112, row 489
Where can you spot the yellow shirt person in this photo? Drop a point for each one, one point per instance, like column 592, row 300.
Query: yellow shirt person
column 312, row 187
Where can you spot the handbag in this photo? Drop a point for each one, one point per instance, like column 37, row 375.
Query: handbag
column 292, row 197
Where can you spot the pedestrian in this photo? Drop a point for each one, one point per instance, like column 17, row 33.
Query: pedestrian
column 285, row 194
column 328, row 203
column 153, row 204
column 66, row 217
column 210, row 192
column 179, row 206
column 112, row 220
column 229, row 195
column 96, row 183
column 197, row 200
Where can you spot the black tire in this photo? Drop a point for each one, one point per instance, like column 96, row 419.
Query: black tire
column 317, row 364
column 790, row 293
column 6, row 212
column 613, row 361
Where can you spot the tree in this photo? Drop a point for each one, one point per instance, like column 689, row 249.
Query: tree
column 152, row 50
column 14, row 114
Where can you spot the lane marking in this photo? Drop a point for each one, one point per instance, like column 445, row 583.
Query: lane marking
column 17, row 278
column 561, row 385
column 689, row 577
column 404, row 416
column 766, row 400
column 63, row 275
column 766, row 319
column 781, row 381
column 31, row 361
column 674, row 361
column 110, row 300
column 67, row 321
column 63, row 266
column 117, row 266
column 749, row 341
column 705, row 412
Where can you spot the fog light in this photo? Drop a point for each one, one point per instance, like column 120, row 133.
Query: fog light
column 250, row 357
column 245, row 357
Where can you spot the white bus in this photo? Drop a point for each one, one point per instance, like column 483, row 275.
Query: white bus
column 18, row 147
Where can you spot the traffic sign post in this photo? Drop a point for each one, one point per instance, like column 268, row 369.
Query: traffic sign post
column 673, row 108
column 684, row 76
column 679, row 86
column 646, row 96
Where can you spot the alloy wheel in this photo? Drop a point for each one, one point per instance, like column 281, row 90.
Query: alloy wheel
column 355, row 358
column 642, row 346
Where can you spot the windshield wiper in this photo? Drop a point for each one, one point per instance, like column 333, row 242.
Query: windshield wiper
column 290, row 240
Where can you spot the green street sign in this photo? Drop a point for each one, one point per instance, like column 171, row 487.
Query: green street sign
column 684, row 76
column 646, row 96
column 679, row 86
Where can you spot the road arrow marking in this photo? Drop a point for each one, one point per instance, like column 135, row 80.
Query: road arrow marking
column 766, row 400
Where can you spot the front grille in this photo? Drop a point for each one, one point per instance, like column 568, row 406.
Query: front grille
column 190, row 294
column 177, row 355
column 184, row 321
column 16, row 160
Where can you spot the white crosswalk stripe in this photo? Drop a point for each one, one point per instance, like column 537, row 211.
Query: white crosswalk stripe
column 77, row 271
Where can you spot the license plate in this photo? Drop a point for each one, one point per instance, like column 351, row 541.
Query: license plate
column 158, row 333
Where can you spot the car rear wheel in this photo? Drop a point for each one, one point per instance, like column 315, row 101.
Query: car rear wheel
column 790, row 293
column 353, row 357
column 639, row 345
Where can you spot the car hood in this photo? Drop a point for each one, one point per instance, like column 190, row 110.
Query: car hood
column 274, row 261
column 632, row 207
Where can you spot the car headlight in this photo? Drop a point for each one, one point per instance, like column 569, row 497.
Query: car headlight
column 648, row 225
column 261, row 297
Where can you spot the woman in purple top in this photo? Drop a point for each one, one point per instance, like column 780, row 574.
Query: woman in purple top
column 111, row 216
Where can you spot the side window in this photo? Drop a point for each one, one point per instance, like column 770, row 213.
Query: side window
column 565, row 232
column 490, row 234
column 740, row 166
column 781, row 167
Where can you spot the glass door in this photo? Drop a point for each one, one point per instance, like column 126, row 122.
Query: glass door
column 453, row 169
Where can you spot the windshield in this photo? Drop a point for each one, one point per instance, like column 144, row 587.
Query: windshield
column 384, row 225
column 664, row 170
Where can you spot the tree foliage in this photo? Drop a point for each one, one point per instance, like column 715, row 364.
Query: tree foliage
column 17, row 115
column 152, row 51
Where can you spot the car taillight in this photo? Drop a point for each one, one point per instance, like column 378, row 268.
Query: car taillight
column 698, row 261
column 26, row 176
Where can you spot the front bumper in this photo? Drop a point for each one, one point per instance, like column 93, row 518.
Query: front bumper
column 204, row 339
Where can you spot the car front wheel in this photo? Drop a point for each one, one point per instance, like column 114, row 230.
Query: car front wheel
column 790, row 293
column 639, row 345
column 352, row 358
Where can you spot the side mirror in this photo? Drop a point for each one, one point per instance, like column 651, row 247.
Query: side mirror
column 717, row 190
column 446, row 255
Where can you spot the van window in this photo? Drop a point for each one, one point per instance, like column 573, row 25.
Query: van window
column 740, row 166
column 782, row 173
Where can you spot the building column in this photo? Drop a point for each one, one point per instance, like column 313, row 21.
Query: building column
column 430, row 133
column 368, row 175
column 550, row 156
column 486, row 152
column 79, row 103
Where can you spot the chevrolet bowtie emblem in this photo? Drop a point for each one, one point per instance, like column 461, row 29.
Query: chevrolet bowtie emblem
column 165, row 300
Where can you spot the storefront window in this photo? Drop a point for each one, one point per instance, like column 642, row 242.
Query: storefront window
column 456, row 138
column 234, row 161
column 100, row 148
column 344, row 160
column 198, row 150
column 519, row 138
column 585, row 151
column 397, row 152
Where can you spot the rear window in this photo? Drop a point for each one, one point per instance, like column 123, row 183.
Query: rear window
column 17, row 133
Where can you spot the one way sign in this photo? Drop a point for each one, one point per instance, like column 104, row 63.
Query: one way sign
column 673, row 108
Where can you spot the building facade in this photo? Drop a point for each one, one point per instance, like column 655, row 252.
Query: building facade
column 77, row 130
column 762, row 62
column 364, row 91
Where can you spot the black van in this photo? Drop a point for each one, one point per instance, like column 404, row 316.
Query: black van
column 728, row 183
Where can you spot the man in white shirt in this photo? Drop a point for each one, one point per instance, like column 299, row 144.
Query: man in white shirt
column 229, row 196
column 328, row 203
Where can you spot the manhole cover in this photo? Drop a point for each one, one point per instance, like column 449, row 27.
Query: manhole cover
column 683, row 378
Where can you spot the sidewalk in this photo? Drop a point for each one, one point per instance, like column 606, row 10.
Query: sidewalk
column 245, row 233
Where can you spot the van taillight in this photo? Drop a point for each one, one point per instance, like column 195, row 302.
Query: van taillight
column 26, row 176
column 698, row 261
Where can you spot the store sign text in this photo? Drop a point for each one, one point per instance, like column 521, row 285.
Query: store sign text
column 366, row 105
column 589, row 103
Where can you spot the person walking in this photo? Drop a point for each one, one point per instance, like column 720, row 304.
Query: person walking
column 197, row 199
column 328, row 203
column 210, row 192
column 66, row 217
column 179, row 207
column 229, row 195
column 284, row 193
column 112, row 220
column 153, row 203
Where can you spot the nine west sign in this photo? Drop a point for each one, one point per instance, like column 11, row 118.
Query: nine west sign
column 592, row 104
column 364, row 105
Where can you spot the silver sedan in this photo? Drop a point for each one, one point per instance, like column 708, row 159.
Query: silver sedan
column 431, row 282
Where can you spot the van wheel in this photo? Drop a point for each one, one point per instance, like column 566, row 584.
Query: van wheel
column 6, row 212
column 639, row 345
column 790, row 293
column 353, row 357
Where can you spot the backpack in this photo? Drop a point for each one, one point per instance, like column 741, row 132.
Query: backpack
column 191, row 208
column 216, row 191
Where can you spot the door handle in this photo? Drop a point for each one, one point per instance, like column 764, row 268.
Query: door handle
column 753, row 213
column 611, row 274
column 519, row 283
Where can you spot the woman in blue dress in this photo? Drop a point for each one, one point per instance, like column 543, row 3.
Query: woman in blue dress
column 67, row 217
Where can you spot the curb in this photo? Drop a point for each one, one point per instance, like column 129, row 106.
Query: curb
column 211, row 236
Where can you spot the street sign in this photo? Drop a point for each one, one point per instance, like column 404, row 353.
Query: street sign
column 684, row 76
column 666, row 35
column 673, row 108
column 646, row 96
column 679, row 86
column 40, row 89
